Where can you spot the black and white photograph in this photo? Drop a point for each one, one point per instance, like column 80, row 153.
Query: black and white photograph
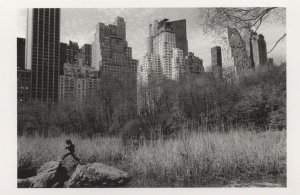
column 151, row 97
column 138, row 96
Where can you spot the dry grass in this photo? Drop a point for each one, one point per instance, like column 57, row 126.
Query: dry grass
column 190, row 159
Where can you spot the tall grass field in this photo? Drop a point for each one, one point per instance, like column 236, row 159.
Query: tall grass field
column 191, row 159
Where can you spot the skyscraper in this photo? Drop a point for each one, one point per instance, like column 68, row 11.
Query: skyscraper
column 112, row 57
column 179, row 29
column 20, row 53
column 67, row 54
column 165, row 59
column 77, row 83
column 166, row 49
column 42, row 52
column 239, row 53
column 163, row 45
column 194, row 65
column 86, row 50
column 216, row 61
column 262, row 50
column 178, row 65
column 245, row 50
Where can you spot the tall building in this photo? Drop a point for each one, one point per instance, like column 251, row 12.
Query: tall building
column 86, row 50
column 68, row 53
column 77, row 83
column 259, row 49
column 178, row 66
column 20, row 53
column 239, row 52
column 216, row 61
column 261, row 58
column 194, row 65
column 112, row 57
column 149, row 67
column 163, row 45
column 42, row 52
column 245, row 50
column 179, row 29
column 165, row 59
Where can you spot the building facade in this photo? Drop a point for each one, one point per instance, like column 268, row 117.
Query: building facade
column 178, row 66
column 245, row 50
column 112, row 58
column 240, row 52
column 20, row 53
column 259, row 49
column 163, row 45
column 68, row 52
column 179, row 29
column 163, row 58
column 194, row 65
column 216, row 62
column 43, row 53
column 86, row 50
column 23, row 85
column 262, row 51
column 77, row 83
column 167, row 48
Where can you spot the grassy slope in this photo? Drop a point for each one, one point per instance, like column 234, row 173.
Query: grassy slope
column 191, row 159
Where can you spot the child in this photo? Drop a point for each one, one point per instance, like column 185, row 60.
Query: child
column 71, row 148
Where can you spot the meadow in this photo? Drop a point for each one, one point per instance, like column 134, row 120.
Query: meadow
column 189, row 159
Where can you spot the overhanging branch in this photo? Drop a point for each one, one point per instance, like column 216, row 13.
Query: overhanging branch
column 277, row 42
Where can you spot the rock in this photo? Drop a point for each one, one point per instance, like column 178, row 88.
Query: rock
column 52, row 165
column 24, row 183
column 97, row 175
column 51, row 174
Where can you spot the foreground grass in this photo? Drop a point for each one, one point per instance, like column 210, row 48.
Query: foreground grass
column 190, row 159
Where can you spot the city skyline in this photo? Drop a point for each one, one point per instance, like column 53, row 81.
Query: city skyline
column 164, row 121
column 81, row 29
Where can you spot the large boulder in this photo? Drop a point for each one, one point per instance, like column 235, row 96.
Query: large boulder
column 51, row 174
column 97, row 175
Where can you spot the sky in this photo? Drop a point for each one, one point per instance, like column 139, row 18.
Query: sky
column 79, row 25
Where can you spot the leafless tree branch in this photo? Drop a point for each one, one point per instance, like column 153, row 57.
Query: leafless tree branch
column 277, row 42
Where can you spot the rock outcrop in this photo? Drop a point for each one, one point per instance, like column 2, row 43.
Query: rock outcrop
column 53, row 175
column 97, row 175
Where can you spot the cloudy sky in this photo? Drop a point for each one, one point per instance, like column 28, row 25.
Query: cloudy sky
column 79, row 25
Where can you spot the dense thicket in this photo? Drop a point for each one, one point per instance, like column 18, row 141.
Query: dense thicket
column 258, row 99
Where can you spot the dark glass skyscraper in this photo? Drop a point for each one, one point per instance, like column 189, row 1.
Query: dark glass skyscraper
column 20, row 53
column 179, row 27
column 42, row 52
